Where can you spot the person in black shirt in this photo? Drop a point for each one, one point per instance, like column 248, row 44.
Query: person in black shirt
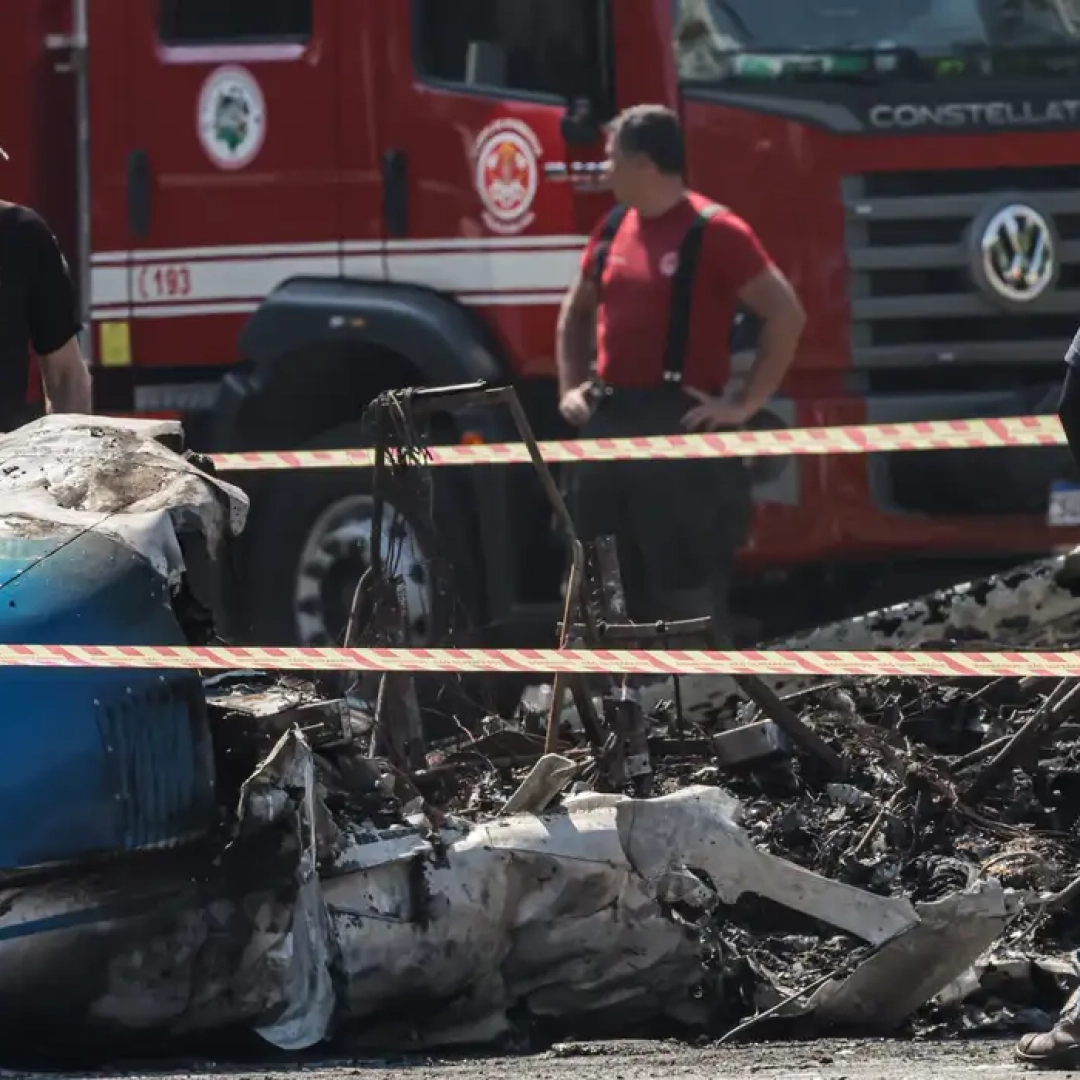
column 38, row 310
column 1059, row 1048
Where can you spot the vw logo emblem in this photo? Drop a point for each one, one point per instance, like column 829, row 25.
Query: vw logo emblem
column 1015, row 256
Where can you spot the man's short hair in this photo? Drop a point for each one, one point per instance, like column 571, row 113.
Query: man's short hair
column 654, row 132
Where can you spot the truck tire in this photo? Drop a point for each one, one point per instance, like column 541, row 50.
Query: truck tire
column 307, row 544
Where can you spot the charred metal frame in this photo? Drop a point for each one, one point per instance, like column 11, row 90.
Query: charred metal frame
column 599, row 618
column 424, row 403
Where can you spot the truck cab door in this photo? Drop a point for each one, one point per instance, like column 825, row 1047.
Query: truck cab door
column 103, row 120
column 229, row 173
column 474, row 116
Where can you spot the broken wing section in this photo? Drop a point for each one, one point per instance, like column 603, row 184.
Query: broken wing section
column 311, row 923
column 568, row 915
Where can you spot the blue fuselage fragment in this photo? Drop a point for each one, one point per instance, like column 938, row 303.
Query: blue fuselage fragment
column 94, row 761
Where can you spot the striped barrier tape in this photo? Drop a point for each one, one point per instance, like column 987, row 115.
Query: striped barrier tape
column 546, row 661
column 1015, row 431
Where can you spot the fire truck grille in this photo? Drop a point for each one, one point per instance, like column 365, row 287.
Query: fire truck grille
column 914, row 297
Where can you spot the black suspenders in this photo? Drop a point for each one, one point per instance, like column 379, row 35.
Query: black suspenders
column 603, row 245
column 682, row 284
column 682, row 295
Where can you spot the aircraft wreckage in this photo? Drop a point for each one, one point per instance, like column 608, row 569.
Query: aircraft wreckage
column 186, row 855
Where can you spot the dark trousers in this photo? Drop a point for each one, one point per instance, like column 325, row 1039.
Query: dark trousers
column 678, row 524
column 1069, row 411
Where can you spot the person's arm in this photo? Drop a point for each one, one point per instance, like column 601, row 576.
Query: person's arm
column 770, row 296
column 576, row 326
column 54, row 322
column 741, row 266
column 575, row 335
column 65, row 378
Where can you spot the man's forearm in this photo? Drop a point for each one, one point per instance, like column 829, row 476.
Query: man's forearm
column 775, row 354
column 66, row 381
column 573, row 349
column 71, row 393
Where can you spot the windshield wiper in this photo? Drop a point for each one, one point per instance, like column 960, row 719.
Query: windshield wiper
column 1012, row 59
column 735, row 15
column 842, row 64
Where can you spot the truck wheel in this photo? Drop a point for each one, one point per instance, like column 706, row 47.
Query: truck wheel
column 309, row 542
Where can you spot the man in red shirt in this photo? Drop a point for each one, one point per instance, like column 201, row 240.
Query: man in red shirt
column 660, row 284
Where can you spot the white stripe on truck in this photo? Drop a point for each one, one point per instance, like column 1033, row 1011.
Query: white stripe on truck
column 188, row 282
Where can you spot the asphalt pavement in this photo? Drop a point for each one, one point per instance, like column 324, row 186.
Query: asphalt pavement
column 833, row 1060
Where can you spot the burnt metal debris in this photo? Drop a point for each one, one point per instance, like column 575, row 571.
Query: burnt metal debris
column 624, row 855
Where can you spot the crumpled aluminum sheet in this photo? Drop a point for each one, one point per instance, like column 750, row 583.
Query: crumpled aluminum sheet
column 66, row 474
column 562, row 914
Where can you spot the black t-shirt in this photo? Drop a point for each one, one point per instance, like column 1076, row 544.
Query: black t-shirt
column 38, row 307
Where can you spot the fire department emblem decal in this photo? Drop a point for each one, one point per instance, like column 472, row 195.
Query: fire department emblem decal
column 507, row 175
column 232, row 117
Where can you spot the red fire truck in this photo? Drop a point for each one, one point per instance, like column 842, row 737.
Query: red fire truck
column 279, row 208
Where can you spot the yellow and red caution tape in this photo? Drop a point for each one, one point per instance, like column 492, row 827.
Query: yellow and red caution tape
column 546, row 661
column 1014, row 431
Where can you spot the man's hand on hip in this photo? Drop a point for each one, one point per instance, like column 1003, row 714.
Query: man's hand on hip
column 576, row 405
column 712, row 413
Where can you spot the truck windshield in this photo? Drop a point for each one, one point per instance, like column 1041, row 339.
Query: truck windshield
column 774, row 38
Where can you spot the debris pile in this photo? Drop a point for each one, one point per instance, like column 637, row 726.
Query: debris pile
column 919, row 815
column 933, row 794
column 897, row 825
column 312, row 863
column 946, row 783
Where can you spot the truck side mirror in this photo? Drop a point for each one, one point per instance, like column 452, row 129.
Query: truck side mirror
column 579, row 125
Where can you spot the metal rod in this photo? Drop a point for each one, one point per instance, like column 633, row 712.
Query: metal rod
column 80, row 62
column 1050, row 715
column 558, row 688
column 378, row 481
column 427, row 400
column 508, row 396
column 360, row 609
column 647, row 631
column 782, row 715
column 431, row 393
column 1063, row 899
column 980, row 753
column 551, row 489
